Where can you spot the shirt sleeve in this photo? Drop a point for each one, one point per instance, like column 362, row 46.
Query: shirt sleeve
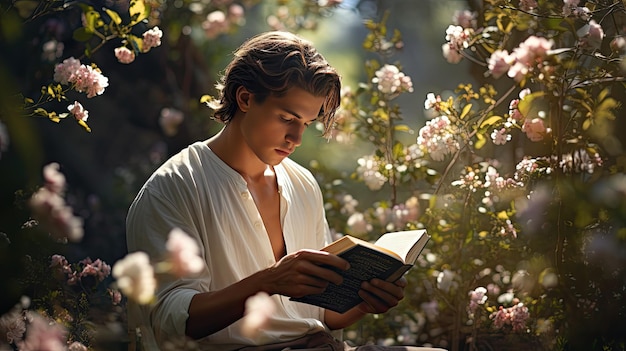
column 150, row 219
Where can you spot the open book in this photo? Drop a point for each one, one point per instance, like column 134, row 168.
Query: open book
column 388, row 258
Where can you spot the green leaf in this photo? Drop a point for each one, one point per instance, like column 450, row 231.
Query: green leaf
column 41, row 111
column 91, row 18
column 480, row 142
column 489, row 121
column 84, row 125
column 114, row 16
column 526, row 103
column 82, row 34
column 402, row 128
column 135, row 42
column 205, row 99
column 605, row 109
column 603, row 94
column 53, row 117
column 138, row 11
column 465, row 111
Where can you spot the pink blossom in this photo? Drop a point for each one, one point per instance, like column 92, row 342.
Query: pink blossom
column 618, row 44
column 464, row 18
column 169, row 120
column 43, row 335
column 500, row 136
column 64, row 71
column 12, row 325
column 457, row 39
column 135, row 277
column 77, row 110
column 215, row 24
column 446, row 280
column 528, row 55
column 534, row 129
column 458, row 36
column 184, row 253
column 124, row 55
column 236, row 14
column 98, row 269
column 116, row 296
column 90, row 81
column 54, row 180
column 451, row 53
column 369, row 170
column 58, row 261
column 477, row 296
column 390, row 80
column 499, row 63
column 357, row 224
column 515, row 115
column 438, row 138
column 84, row 78
column 152, row 38
column 50, row 210
column 432, row 101
column 591, row 35
column 514, row 317
column 259, row 310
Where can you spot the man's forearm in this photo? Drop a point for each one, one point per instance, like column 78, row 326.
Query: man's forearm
column 210, row 312
column 334, row 320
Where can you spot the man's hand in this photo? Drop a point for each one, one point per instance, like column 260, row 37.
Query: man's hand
column 379, row 295
column 303, row 272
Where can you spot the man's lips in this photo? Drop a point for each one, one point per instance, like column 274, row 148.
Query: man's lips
column 283, row 152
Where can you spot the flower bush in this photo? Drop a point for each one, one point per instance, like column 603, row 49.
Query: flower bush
column 519, row 180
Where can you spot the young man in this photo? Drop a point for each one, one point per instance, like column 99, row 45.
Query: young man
column 257, row 216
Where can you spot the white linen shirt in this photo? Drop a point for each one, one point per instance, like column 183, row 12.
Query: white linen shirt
column 200, row 194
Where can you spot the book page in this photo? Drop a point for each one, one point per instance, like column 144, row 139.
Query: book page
column 402, row 243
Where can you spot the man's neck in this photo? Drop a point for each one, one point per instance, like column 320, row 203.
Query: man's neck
column 238, row 156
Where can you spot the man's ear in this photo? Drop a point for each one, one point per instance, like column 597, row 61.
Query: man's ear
column 243, row 98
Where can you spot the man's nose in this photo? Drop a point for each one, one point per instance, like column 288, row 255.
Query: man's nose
column 294, row 134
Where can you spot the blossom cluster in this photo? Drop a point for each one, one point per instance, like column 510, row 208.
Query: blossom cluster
column 83, row 78
column 478, row 297
column 438, row 138
column 219, row 22
column 135, row 274
column 86, row 268
column 151, row 39
column 369, row 170
column 135, row 277
column 389, row 80
column 528, row 57
column 50, row 210
column 27, row 330
column 514, row 317
column 458, row 39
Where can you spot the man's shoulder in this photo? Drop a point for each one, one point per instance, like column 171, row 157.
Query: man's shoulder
column 294, row 168
column 181, row 166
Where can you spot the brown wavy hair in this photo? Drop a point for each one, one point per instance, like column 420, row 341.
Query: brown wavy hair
column 272, row 63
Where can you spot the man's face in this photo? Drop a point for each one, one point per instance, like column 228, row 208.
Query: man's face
column 273, row 129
